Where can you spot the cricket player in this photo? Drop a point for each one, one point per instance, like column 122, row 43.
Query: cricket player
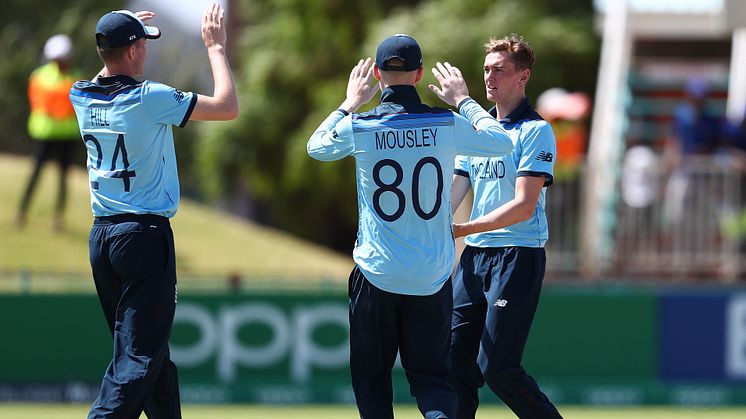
column 498, row 280
column 126, row 126
column 400, row 288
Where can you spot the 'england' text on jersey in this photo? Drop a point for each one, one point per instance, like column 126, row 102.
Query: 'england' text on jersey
column 491, row 169
column 408, row 138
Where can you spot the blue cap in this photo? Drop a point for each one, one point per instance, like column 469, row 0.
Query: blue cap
column 400, row 46
column 122, row 27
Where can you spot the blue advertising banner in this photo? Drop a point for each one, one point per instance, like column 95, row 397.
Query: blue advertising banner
column 702, row 336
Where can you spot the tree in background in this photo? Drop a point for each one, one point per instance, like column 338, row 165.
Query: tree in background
column 24, row 27
column 293, row 62
column 295, row 59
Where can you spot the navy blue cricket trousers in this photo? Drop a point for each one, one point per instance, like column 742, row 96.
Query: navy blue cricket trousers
column 134, row 269
column 495, row 295
column 418, row 327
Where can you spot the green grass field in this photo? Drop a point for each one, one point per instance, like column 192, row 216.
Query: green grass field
column 66, row 411
column 209, row 244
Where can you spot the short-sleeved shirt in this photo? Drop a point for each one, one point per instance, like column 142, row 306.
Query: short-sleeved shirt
column 126, row 126
column 493, row 179
column 404, row 153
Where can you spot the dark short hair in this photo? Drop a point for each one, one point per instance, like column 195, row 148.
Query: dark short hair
column 517, row 49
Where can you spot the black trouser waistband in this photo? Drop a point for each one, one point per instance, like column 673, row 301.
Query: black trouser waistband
column 128, row 218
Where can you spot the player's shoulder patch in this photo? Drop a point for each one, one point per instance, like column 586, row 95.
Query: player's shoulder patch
column 545, row 156
column 164, row 93
column 179, row 96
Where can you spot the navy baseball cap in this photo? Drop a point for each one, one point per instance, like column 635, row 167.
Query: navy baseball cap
column 400, row 46
column 122, row 27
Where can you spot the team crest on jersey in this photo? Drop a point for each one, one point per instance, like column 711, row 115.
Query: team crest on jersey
column 544, row 156
column 178, row 95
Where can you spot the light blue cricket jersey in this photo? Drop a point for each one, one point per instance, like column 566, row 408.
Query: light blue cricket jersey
column 404, row 153
column 493, row 179
column 126, row 127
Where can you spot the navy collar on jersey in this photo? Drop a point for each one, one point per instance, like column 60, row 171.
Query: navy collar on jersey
column 105, row 88
column 400, row 99
column 522, row 111
column 400, row 94
column 118, row 79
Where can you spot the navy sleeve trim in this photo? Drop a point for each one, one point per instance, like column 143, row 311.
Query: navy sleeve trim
column 462, row 103
column 460, row 172
column 188, row 113
column 343, row 111
column 548, row 179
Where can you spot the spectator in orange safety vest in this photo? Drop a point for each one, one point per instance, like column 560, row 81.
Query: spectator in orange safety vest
column 51, row 122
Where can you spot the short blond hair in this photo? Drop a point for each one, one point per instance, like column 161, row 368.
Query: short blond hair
column 517, row 49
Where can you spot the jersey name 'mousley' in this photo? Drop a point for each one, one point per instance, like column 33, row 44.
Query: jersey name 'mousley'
column 407, row 138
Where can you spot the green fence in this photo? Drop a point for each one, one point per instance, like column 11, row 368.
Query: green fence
column 588, row 346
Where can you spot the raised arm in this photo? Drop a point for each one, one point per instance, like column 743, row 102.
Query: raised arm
column 330, row 140
column 478, row 133
column 452, row 89
column 359, row 88
column 223, row 104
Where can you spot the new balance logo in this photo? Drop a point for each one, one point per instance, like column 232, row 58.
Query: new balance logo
column 335, row 135
column 544, row 156
column 178, row 95
column 501, row 303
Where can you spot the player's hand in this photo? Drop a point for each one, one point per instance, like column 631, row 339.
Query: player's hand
column 359, row 88
column 213, row 27
column 452, row 88
column 145, row 15
column 458, row 230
